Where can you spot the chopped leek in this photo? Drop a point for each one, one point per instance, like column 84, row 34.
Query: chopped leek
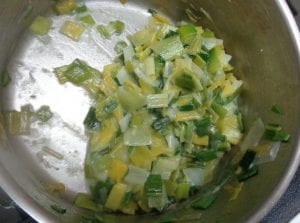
column 81, row 9
column 115, row 27
column 185, row 81
column 79, row 73
column 105, row 108
column 65, row 6
column 136, row 175
column 88, row 20
column 275, row 133
column 205, row 127
column 164, row 114
column 18, row 123
column 117, row 170
column 72, row 30
column 40, row 25
column 161, row 124
column 187, row 33
column 141, row 157
column 85, row 201
column 101, row 191
column 195, row 176
column 214, row 64
column 182, row 191
column 153, row 185
column 120, row 46
column 160, row 201
column 168, row 48
column 130, row 100
column 165, row 167
column 248, row 174
column 116, row 196
column 157, row 101
column 44, row 113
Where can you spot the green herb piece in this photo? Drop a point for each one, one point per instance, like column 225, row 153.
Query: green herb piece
column 153, row 185
column 58, row 209
column 204, row 202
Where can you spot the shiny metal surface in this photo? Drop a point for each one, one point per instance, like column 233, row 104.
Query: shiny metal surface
column 261, row 36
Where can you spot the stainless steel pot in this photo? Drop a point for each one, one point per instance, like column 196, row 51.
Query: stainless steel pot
column 261, row 36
